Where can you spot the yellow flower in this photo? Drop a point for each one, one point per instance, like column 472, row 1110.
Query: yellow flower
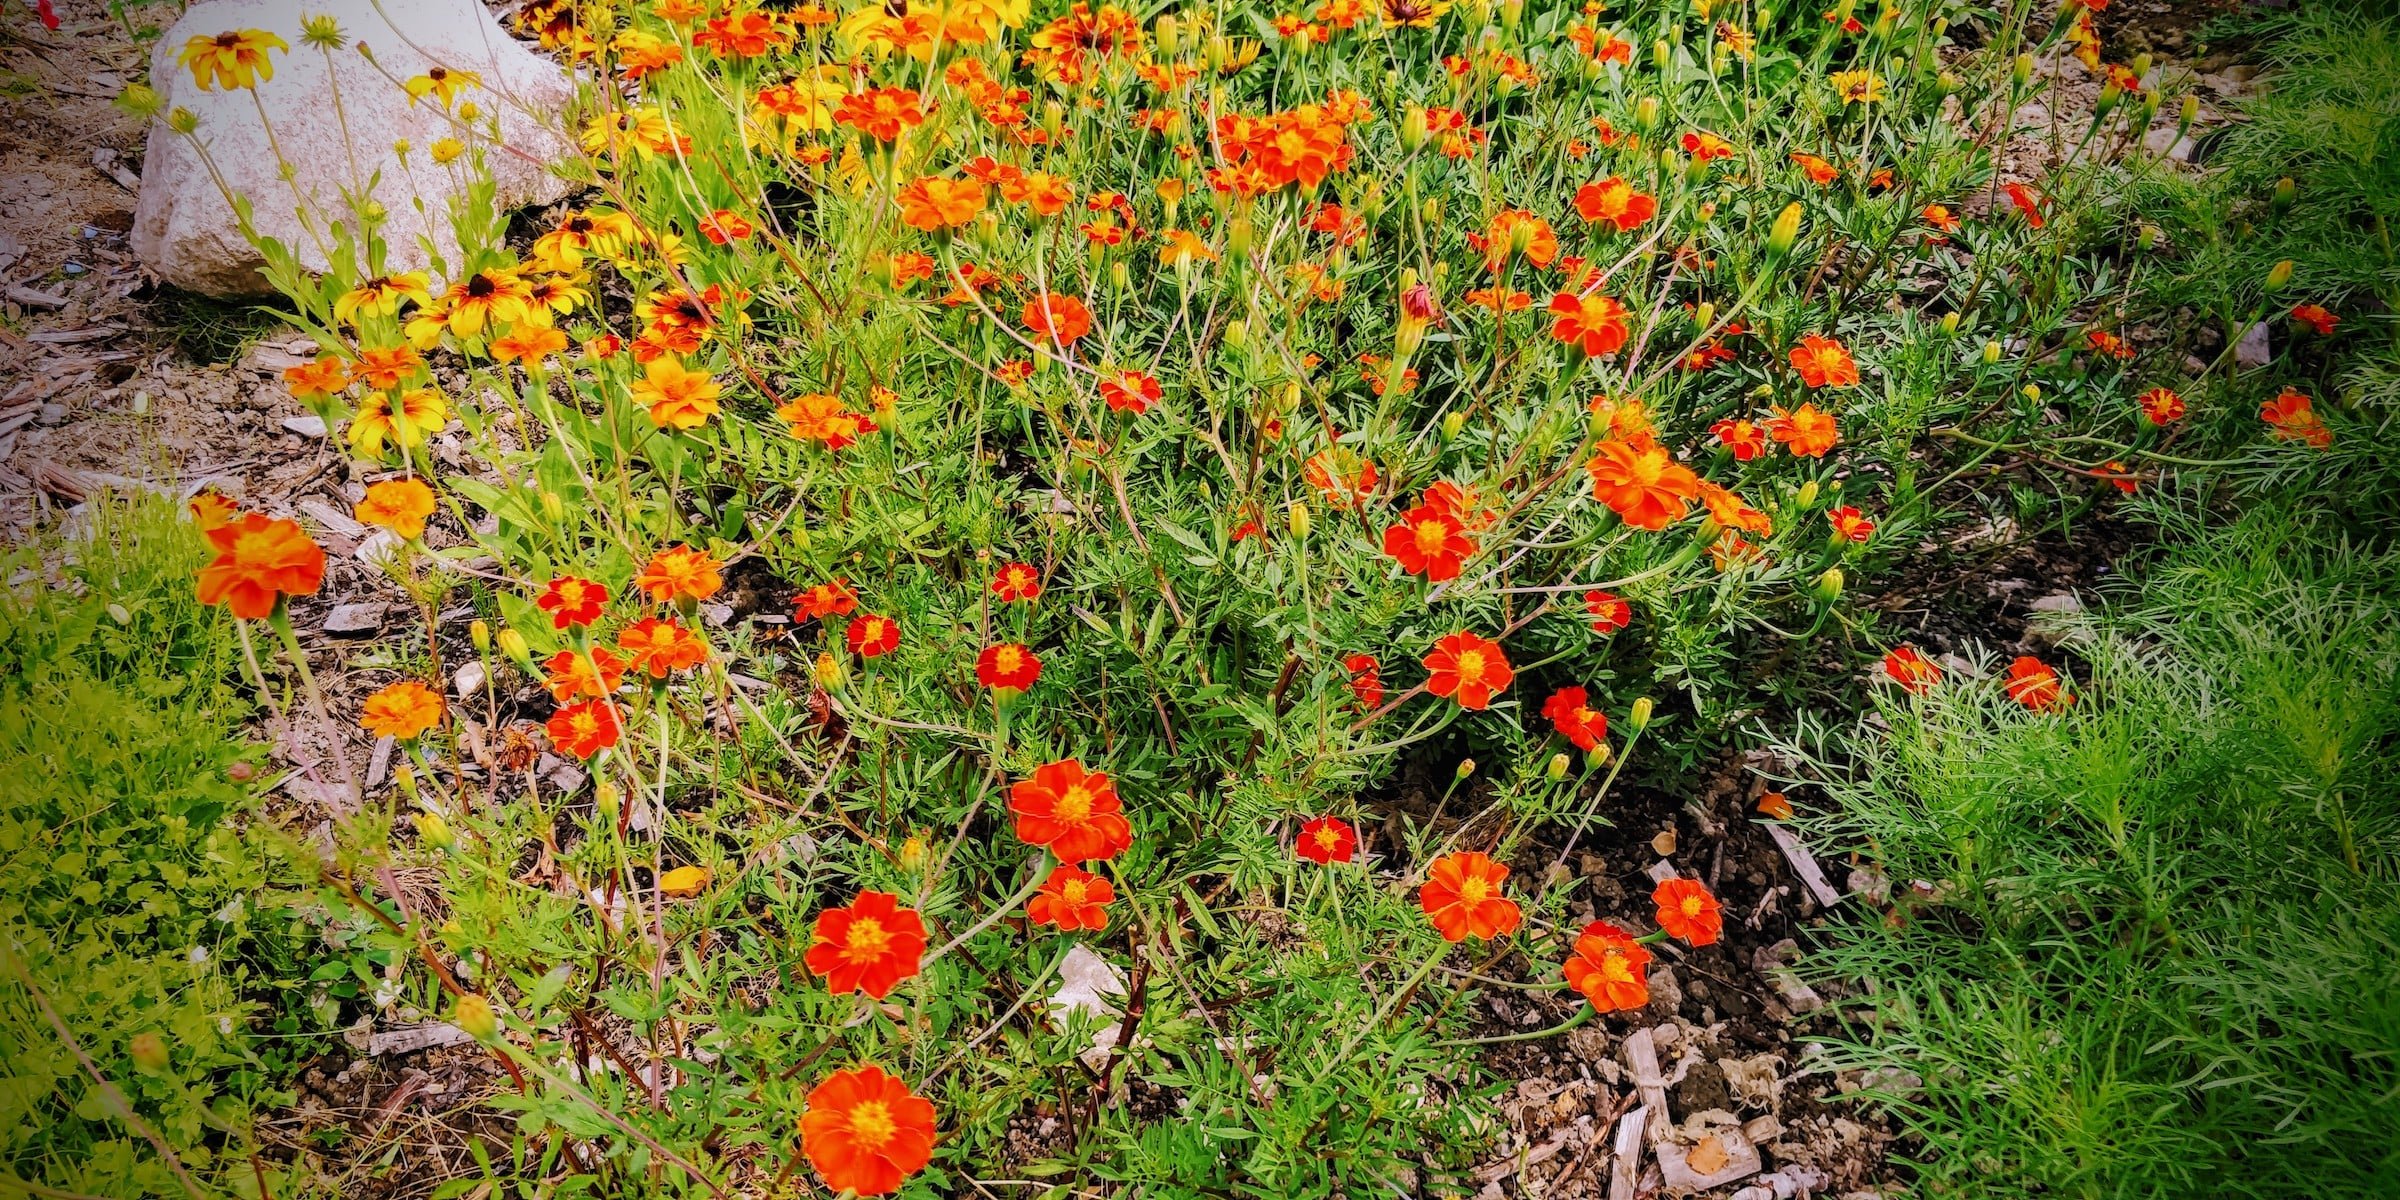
column 425, row 324
column 441, row 83
column 381, row 296
column 1414, row 14
column 487, row 297
column 421, row 413
column 447, row 150
column 234, row 59
column 1857, row 87
column 677, row 398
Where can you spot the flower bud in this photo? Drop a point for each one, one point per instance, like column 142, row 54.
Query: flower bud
column 2022, row 70
column 2110, row 95
column 1950, row 324
column 1661, row 54
column 1806, row 497
column 2285, row 190
column 554, row 507
column 1168, row 29
column 913, row 853
column 2145, row 237
column 434, row 831
column 149, row 1052
column 513, row 645
column 1237, row 334
column 2141, row 66
column 1511, row 12
column 1452, row 422
column 2033, row 392
column 480, row 633
column 1118, row 278
column 1639, row 717
column 607, row 799
column 1296, row 517
column 829, row 671
column 474, row 1017
column 1413, row 129
column 1829, row 585
column 2279, row 275
column 1557, row 769
column 2189, row 114
column 1991, row 353
column 1645, row 112
column 1704, row 314
column 1785, row 231
column 1466, row 767
column 1947, row 83
column 1598, row 756
column 1238, row 234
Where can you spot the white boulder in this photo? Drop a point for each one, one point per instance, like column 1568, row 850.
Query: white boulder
column 184, row 228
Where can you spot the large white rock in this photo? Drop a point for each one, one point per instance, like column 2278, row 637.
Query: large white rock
column 184, row 229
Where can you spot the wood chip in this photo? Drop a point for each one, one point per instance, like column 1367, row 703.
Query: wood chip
column 1625, row 1168
column 1804, row 865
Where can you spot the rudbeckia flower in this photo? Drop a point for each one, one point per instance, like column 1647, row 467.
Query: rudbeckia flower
column 233, row 59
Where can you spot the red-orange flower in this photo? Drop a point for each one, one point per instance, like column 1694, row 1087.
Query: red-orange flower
column 2032, row 683
column 401, row 710
column 1819, row 171
column 1327, row 840
column 1008, row 666
column 585, row 729
column 1017, row 582
column 1608, row 613
column 1429, row 541
column 1609, row 968
column 1129, row 392
column 1741, row 436
column 1849, row 524
column 932, row 202
column 1807, row 430
column 1366, row 680
column 1687, row 911
column 680, row 573
column 1594, row 322
column 1824, row 362
column 571, row 601
column 880, row 113
column 2315, row 316
column 1057, row 317
column 1914, row 672
column 1612, row 201
column 1076, row 813
column 1468, row 669
column 1071, row 899
column 872, row 636
column 567, row 675
column 213, row 509
column 868, row 947
column 1571, row 714
column 830, row 599
column 2295, row 419
column 2028, row 202
column 1643, row 483
column 865, row 1132
column 1462, row 897
column 2161, row 406
column 260, row 559
column 661, row 648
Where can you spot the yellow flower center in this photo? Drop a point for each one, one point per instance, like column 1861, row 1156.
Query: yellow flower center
column 1691, row 906
column 1007, row 660
column 1470, row 669
column 1431, row 537
column 1614, row 967
column 1327, row 839
column 866, row 938
column 1074, row 891
column 1074, row 804
column 1474, row 889
column 871, row 1125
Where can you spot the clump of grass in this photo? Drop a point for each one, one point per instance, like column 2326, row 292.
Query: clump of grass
column 207, row 330
column 2166, row 955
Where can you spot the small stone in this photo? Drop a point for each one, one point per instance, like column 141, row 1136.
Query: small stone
column 306, row 426
column 2253, row 351
column 354, row 619
column 379, row 548
column 468, row 680
column 2057, row 602
column 51, row 414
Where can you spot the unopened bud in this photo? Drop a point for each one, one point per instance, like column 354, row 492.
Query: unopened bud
column 607, row 799
column 1511, row 12
column 1452, row 422
column 1639, row 717
column 1558, row 767
column 1785, row 231
column 1704, row 314
column 474, row 1017
column 1829, row 585
column 1237, row 334
column 1950, row 324
column 1413, row 128
column 1991, row 353
column 1238, row 234
column 1598, row 756
column 2279, row 275
column 1661, row 54
column 2022, row 70
column 513, row 645
column 434, row 831
column 480, row 633
column 2285, row 191
column 1645, row 112
column 1466, row 767
column 2145, row 237
column 2110, row 95
column 1168, row 31
column 913, row 853
column 2033, row 392
column 1806, row 497
column 829, row 671
column 1297, row 518
column 554, row 507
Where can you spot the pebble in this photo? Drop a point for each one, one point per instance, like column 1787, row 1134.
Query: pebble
column 468, row 680
column 308, row 426
column 354, row 618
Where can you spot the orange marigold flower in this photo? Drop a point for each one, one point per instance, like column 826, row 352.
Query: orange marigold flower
column 869, row 946
column 2161, row 406
column 571, row 601
column 1824, row 362
column 676, row 398
column 1914, row 672
column 1129, row 391
column 1429, row 541
column 1571, row 714
column 386, row 368
column 818, row 417
column 1462, row 896
column 1609, row 968
column 1706, row 146
column 1468, row 669
column 1071, row 899
column 1687, row 911
column 1073, row 812
column 724, row 225
column 1593, row 322
column 1807, row 430
column 680, row 573
column 1008, row 666
column 872, row 636
column 2027, row 200
column 661, row 647
column 1613, row 201
column 585, row 729
column 259, row 560
column 880, row 113
column 322, row 377
column 569, row 675
column 1340, row 476
column 2315, row 316
column 1741, row 436
column 1366, row 680
column 831, row 599
column 2032, row 683
column 1643, row 483
column 742, row 35
column 401, row 710
column 865, row 1132
column 400, row 505
column 1938, row 216
column 932, row 202
column 1819, row 171
column 1327, row 840
column 1017, row 581
column 1849, row 524
column 2294, row 418
column 1057, row 317
column 212, row 509
column 1608, row 613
